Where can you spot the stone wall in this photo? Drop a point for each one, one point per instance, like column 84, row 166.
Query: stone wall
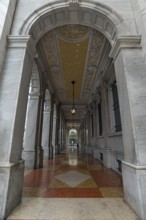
column 27, row 7
column 7, row 8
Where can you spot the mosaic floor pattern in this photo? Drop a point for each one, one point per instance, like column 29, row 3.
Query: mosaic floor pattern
column 72, row 176
column 72, row 187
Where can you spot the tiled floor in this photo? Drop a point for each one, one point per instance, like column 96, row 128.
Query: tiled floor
column 72, row 176
column 80, row 183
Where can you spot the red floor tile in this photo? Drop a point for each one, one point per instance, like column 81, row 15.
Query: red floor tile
column 73, row 193
column 38, row 178
column 106, row 178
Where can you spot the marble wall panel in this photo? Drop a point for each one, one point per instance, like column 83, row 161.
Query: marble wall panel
column 134, row 178
column 131, row 80
column 30, row 127
column 7, row 8
column 116, row 143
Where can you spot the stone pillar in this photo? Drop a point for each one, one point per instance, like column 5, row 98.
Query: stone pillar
column 28, row 153
column 14, row 87
column 82, row 136
column 87, row 136
column 64, row 136
column 46, row 122
column 7, row 9
column 131, row 80
column 95, row 119
column 105, row 113
column 89, row 146
column 67, row 137
column 38, row 163
column 50, row 156
column 61, row 132
column 54, row 128
column 57, row 143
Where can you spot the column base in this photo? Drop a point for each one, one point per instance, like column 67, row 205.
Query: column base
column 134, row 180
column 46, row 152
column 41, row 154
column 89, row 150
column 11, row 184
column 50, row 153
column 28, row 157
column 103, row 155
column 57, row 149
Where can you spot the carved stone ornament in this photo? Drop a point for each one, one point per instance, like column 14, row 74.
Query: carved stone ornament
column 73, row 1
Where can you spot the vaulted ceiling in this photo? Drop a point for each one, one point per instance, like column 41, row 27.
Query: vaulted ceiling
column 72, row 52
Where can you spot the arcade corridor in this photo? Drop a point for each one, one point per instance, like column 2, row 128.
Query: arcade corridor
column 72, row 72
column 72, row 186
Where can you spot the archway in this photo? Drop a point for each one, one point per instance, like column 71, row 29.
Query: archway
column 73, row 137
column 111, row 25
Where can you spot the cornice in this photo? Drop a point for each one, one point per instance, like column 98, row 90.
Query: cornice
column 18, row 41
column 124, row 42
column 22, row 42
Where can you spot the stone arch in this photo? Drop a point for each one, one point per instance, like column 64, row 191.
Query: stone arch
column 73, row 136
column 92, row 14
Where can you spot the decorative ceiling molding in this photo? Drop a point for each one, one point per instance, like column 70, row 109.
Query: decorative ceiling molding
column 93, row 57
column 73, row 33
column 74, row 2
column 50, row 45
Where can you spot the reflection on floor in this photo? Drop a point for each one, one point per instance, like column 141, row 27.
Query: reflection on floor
column 56, row 192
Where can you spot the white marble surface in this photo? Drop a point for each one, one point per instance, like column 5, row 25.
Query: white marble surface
column 134, row 179
column 72, row 209
column 14, row 85
column 45, row 134
column 30, row 127
column 7, row 8
column 73, row 178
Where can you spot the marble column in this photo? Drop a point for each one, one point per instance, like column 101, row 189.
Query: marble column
column 38, row 162
column 131, row 80
column 50, row 156
column 57, row 142
column 46, row 122
column 14, row 87
column 61, row 132
column 7, row 10
column 89, row 146
column 54, row 129
column 105, row 119
column 87, row 136
column 28, row 153
column 95, row 118
column 64, row 135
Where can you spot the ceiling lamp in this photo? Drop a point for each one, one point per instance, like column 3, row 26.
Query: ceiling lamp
column 73, row 110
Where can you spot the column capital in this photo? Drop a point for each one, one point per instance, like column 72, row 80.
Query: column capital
column 21, row 42
column 125, row 42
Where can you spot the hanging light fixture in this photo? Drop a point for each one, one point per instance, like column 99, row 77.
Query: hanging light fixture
column 73, row 110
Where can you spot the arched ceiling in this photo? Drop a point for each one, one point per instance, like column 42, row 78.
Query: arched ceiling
column 72, row 52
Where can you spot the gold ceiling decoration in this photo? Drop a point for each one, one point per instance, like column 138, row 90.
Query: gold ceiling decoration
column 73, row 32
column 72, row 52
column 73, row 59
